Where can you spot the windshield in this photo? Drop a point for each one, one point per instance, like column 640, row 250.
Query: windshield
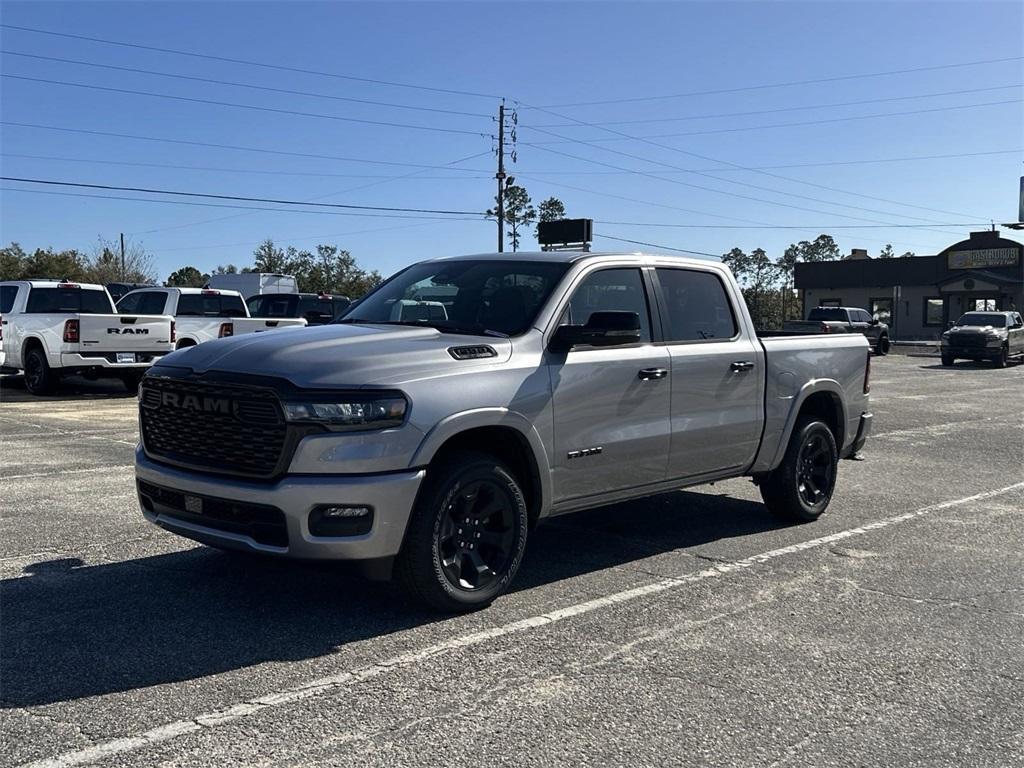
column 481, row 296
column 983, row 318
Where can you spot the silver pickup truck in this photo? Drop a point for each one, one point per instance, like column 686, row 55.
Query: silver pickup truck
column 529, row 386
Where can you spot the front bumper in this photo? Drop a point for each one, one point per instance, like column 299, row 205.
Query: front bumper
column 863, row 431
column 391, row 495
column 972, row 351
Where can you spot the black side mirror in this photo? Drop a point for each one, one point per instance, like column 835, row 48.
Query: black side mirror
column 874, row 321
column 603, row 329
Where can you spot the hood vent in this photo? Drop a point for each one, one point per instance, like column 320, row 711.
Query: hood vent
column 474, row 352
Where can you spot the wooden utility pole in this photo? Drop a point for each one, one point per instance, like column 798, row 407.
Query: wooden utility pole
column 500, row 176
column 123, row 272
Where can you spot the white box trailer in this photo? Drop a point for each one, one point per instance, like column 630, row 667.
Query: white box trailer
column 255, row 283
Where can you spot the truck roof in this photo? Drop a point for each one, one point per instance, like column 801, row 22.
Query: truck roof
column 572, row 256
column 191, row 291
column 54, row 284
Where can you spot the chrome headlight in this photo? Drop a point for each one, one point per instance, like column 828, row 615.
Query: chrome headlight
column 350, row 412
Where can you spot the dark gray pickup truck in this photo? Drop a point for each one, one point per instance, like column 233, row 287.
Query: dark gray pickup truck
column 844, row 320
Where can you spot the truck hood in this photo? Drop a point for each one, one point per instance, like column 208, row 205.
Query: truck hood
column 342, row 356
column 976, row 329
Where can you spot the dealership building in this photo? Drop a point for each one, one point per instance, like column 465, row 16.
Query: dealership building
column 919, row 295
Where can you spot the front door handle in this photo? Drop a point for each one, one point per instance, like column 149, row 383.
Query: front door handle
column 741, row 365
column 647, row 374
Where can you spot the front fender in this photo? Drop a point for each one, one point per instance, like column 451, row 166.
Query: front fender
column 457, row 423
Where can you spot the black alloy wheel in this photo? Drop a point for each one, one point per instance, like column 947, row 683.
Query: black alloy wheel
column 816, row 471
column 39, row 378
column 801, row 487
column 467, row 533
column 476, row 535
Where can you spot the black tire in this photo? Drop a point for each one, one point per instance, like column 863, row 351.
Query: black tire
column 882, row 347
column 131, row 380
column 1003, row 358
column 40, row 378
column 800, row 488
column 467, row 534
column 948, row 359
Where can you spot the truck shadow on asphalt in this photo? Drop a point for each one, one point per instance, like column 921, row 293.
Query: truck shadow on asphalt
column 72, row 630
column 12, row 390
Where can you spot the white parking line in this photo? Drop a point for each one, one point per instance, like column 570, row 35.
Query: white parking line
column 342, row 680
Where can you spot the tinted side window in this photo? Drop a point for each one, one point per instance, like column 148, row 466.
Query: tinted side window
column 7, row 295
column 610, row 290
column 696, row 306
column 43, row 300
column 129, row 303
column 151, row 303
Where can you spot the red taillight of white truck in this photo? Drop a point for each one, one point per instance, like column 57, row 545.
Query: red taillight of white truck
column 826, row 328
column 867, row 375
column 174, row 332
column 70, row 331
column 226, row 329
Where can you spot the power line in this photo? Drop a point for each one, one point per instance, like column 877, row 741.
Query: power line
column 787, row 109
column 193, row 203
column 654, row 245
column 817, row 227
column 708, row 189
column 824, row 164
column 734, row 165
column 239, row 198
column 136, row 70
column 739, row 129
column 281, row 67
column 791, row 83
column 179, row 167
column 235, row 147
column 318, row 197
column 233, row 105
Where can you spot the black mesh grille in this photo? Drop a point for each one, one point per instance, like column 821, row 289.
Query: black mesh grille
column 967, row 340
column 216, row 428
column 260, row 522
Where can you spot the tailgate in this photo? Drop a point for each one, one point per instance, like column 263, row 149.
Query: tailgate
column 125, row 333
column 258, row 324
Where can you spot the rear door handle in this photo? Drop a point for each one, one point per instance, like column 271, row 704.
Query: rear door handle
column 741, row 365
column 648, row 374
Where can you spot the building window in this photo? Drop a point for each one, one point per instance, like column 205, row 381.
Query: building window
column 933, row 311
column 830, row 303
column 982, row 305
column 881, row 310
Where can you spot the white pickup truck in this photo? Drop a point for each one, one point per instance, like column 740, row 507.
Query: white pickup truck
column 202, row 314
column 51, row 329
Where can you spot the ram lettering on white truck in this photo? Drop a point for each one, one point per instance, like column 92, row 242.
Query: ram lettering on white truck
column 530, row 385
column 202, row 314
column 51, row 329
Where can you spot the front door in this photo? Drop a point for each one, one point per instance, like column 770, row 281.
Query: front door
column 611, row 404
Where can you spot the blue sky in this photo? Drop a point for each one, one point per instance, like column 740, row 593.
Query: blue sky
column 534, row 55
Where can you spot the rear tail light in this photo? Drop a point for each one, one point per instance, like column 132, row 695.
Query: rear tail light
column 226, row 329
column 867, row 375
column 1, row 327
column 826, row 328
column 174, row 332
column 71, row 331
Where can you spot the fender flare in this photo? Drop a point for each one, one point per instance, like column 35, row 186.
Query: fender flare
column 29, row 341
column 464, row 421
column 810, row 388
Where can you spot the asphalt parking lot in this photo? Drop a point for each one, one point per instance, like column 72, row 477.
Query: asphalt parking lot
column 691, row 628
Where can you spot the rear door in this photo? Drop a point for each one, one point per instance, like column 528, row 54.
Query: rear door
column 1016, row 334
column 717, row 375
